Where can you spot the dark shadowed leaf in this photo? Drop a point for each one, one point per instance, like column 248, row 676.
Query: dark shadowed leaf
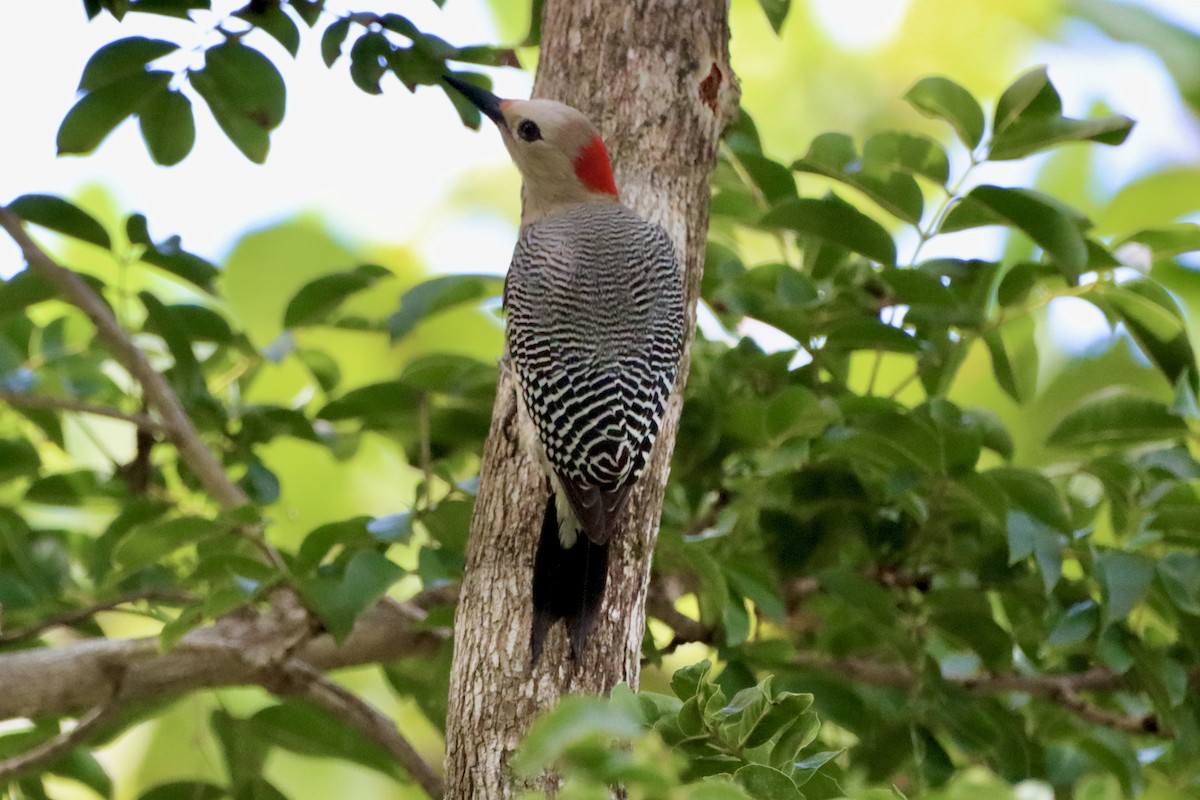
column 833, row 220
column 95, row 116
column 61, row 216
column 168, row 255
column 246, row 94
column 168, row 127
column 332, row 40
column 121, row 59
column 273, row 20
column 942, row 98
column 776, row 11
column 369, row 60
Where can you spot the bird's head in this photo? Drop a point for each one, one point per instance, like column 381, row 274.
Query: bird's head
column 559, row 153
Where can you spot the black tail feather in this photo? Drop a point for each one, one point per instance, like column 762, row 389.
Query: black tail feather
column 568, row 584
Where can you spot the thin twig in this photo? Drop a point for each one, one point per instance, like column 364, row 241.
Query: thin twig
column 53, row 749
column 298, row 679
column 175, row 420
column 79, row 614
column 42, row 402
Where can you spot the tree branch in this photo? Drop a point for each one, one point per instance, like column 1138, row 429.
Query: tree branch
column 55, row 748
column 298, row 679
column 60, row 681
column 44, row 403
column 1061, row 689
column 176, row 423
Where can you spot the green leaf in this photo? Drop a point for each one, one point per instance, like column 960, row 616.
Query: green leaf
column 274, row 21
column 184, row 790
column 832, row 155
column 1116, row 418
column 942, row 98
column 1179, row 574
column 17, row 458
column 766, row 783
column 245, row 752
column 1013, row 348
column 319, row 298
column 1168, row 242
column 776, row 11
column 1075, row 625
column 686, row 681
column 149, row 544
column 1031, row 94
column 61, row 216
column 1029, row 119
column 246, row 94
column 1156, row 323
column 168, row 127
column 1047, row 222
column 907, row 152
column 439, row 294
column 378, row 401
column 1027, row 137
column 574, row 719
column 308, row 731
column 833, row 220
column 168, row 255
column 121, row 59
column 1125, row 577
column 332, row 39
column 97, row 113
column 368, row 61
column 340, row 599
column 1029, row 536
column 1169, row 194
column 781, row 713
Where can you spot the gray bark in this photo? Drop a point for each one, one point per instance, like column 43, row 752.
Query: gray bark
column 654, row 77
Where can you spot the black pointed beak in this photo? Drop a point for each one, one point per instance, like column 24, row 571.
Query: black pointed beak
column 482, row 99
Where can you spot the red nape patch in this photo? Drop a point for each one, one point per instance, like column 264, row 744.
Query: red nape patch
column 593, row 169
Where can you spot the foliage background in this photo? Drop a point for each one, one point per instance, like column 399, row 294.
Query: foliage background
column 399, row 183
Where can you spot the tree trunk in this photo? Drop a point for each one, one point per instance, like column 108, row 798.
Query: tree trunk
column 654, row 78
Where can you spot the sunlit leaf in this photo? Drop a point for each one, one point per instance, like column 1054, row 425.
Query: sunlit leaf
column 942, row 98
column 1116, row 418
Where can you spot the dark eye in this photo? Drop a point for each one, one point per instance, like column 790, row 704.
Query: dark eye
column 529, row 131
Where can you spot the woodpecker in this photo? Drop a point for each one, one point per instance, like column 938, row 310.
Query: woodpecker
column 594, row 299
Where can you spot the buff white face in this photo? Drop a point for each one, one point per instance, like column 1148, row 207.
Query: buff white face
column 558, row 151
column 556, row 148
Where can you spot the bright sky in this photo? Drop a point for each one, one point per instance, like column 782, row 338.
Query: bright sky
column 355, row 159
column 340, row 152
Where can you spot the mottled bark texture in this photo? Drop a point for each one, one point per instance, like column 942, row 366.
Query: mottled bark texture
column 654, row 77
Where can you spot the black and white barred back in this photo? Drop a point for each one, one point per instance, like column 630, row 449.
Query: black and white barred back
column 595, row 330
